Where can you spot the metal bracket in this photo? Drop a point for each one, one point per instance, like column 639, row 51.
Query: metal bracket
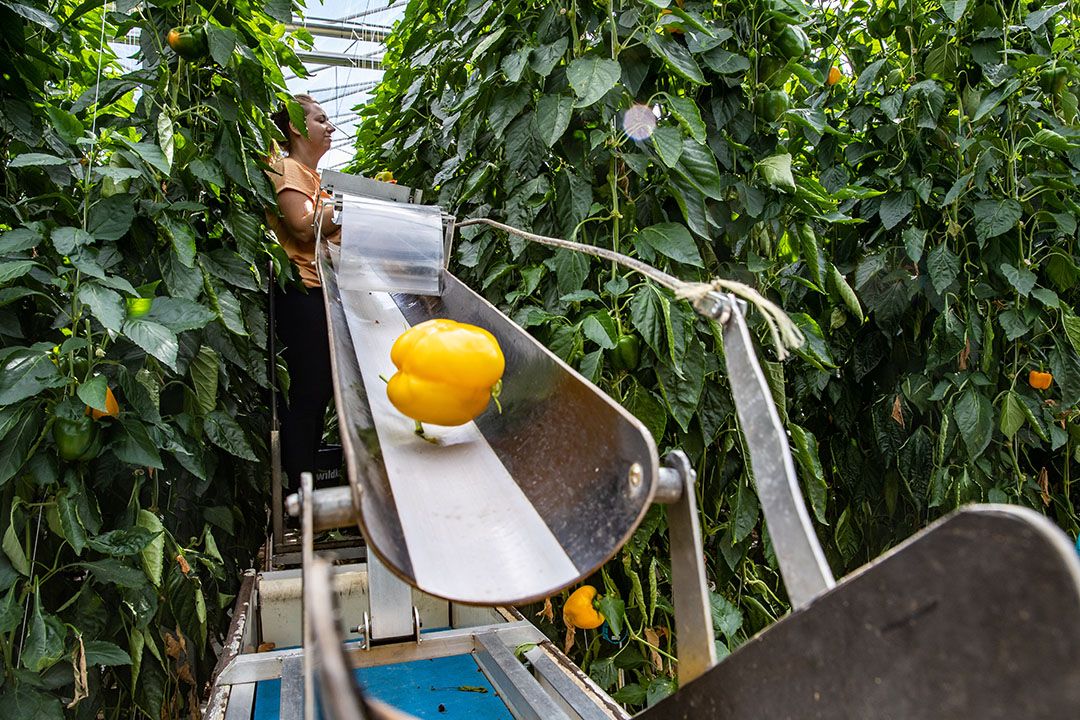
column 693, row 613
column 802, row 563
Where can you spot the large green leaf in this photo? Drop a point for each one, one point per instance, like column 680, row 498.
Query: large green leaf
column 105, row 304
column 689, row 116
column 102, row 652
column 697, row 165
column 132, row 444
column 996, row 217
column 25, row 373
column 776, row 171
column 811, row 471
column 154, row 338
column 44, row 644
column 591, row 78
column 671, row 240
column 552, row 117
column 226, row 433
column 974, row 418
column 668, row 143
column 677, row 57
column 204, row 370
column 682, row 392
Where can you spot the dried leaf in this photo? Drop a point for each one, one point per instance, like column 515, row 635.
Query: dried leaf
column 1044, row 485
column 653, row 639
column 266, row 647
column 547, row 612
column 172, row 646
column 897, row 412
column 569, row 641
column 965, row 354
column 78, row 664
column 184, row 673
column 184, row 567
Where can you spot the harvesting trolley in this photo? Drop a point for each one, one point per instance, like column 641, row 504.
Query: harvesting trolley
column 977, row 616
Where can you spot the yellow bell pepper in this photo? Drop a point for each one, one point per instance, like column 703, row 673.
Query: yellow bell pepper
column 580, row 611
column 446, row 371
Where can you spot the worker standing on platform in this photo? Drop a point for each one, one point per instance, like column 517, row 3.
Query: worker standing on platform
column 300, row 314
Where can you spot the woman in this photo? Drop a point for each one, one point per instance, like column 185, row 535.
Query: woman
column 300, row 315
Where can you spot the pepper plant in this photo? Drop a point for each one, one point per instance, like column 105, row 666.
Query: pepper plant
column 900, row 177
column 133, row 338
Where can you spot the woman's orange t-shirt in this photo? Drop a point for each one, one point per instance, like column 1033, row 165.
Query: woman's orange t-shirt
column 290, row 174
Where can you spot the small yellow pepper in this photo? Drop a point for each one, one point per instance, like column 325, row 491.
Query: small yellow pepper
column 579, row 610
column 446, row 371
column 1040, row 380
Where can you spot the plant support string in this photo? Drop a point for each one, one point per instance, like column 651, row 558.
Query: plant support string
column 785, row 333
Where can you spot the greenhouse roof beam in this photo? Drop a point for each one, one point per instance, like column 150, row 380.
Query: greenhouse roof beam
column 344, row 30
column 339, row 60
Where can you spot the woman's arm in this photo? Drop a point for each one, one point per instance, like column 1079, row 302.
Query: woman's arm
column 298, row 212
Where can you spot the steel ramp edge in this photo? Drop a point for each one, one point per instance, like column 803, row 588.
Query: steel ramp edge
column 508, row 509
column 977, row 616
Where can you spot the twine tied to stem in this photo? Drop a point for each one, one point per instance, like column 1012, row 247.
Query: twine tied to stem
column 785, row 334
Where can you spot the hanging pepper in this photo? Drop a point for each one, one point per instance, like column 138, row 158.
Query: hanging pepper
column 1040, row 380
column 74, row 437
column 580, row 609
column 447, row 372
column 189, row 41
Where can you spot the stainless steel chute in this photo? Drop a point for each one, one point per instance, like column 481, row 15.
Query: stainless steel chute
column 510, row 508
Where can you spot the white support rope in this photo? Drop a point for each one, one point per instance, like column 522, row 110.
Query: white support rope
column 785, row 333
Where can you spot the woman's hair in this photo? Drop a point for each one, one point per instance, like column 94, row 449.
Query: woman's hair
column 281, row 117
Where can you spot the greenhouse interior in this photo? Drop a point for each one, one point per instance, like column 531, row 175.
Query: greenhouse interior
column 539, row 360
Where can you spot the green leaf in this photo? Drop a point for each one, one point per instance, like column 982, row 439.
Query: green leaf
column 689, row 116
column 727, row 618
column 179, row 314
column 227, row 434
column 725, row 62
column 72, row 527
column 914, row 242
column 1047, row 138
column 37, row 160
column 895, row 207
column 105, row 304
column 677, row 57
column 600, row 328
column 111, row 571
column 776, row 171
column 813, row 476
column 15, row 269
column 1072, row 329
column 23, row 702
column 121, row 542
column 630, row 694
column 166, row 140
column 546, row 57
column 25, row 373
column 603, row 672
column 682, row 393
column 204, row 370
column 697, row 165
column 944, row 267
column 745, row 513
column 974, row 417
column 591, row 78
column 17, row 443
column 1020, row 278
column 155, row 339
column 815, row 349
column 66, row 239
column 1012, row 414
column 150, row 154
column 668, row 143
column 152, row 556
column 552, row 117
column 614, row 611
column 954, row 9
column 671, row 240
column 93, row 392
column 102, row 652
column 14, row 551
column 183, row 238
column 648, row 409
column 111, row 217
column 18, row 240
column 1038, row 18
column 132, row 444
column 11, row 612
column 44, row 645
column 659, row 688
column 996, row 217
column 222, row 42
column 485, row 44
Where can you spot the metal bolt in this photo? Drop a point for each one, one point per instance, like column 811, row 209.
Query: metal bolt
column 635, row 475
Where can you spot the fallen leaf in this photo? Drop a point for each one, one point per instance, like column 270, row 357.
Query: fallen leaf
column 1044, row 485
column 653, row 639
column 78, row 664
column 547, row 612
column 965, row 354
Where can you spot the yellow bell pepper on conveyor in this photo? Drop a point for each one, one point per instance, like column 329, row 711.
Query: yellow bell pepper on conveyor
column 447, row 372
